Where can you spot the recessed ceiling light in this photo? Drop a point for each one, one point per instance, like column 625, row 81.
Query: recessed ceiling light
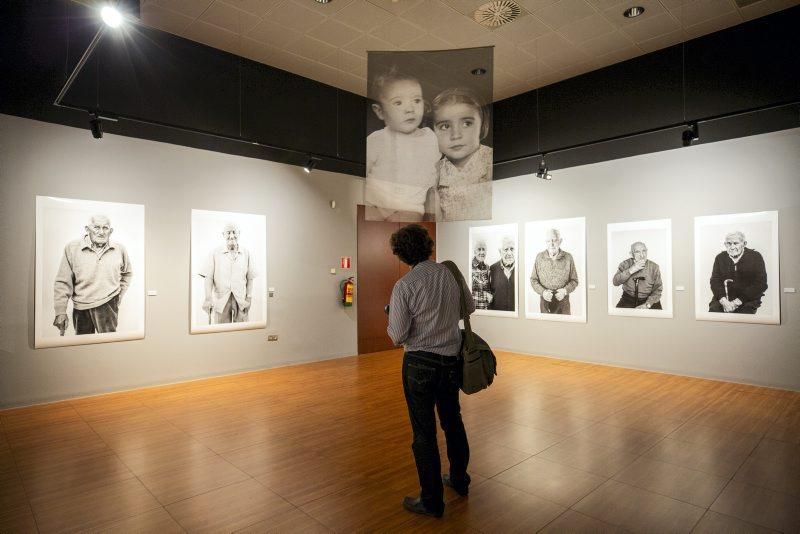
column 322, row 1
column 480, row 71
column 633, row 12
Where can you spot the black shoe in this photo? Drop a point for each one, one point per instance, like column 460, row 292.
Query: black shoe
column 414, row 504
column 462, row 490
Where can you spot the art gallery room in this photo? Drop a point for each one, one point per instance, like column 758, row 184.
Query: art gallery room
column 400, row 266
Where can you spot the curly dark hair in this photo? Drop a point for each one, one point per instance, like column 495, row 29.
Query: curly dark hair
column 411, row 244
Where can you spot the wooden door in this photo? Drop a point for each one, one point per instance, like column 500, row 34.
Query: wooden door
column 378, row 270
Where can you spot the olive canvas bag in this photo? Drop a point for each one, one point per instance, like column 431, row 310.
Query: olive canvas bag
column 480, row 364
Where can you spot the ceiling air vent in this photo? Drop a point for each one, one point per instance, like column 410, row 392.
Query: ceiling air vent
column 497, row 13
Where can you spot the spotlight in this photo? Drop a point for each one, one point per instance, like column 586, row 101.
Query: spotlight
column 95, row 125
column 542, row 172
column 310, row 164
column 691, row 134
column 111, row 16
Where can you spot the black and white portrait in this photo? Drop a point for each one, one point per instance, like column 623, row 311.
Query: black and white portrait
column 429, row 142
column 736, row 268
column 493, row 269
column 555, row 270
column 89, row 272
column 640, row 268
column 229, row 271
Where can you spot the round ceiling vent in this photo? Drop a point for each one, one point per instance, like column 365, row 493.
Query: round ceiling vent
column 497, row 13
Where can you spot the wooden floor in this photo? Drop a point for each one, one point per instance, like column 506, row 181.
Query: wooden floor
column 556, row 446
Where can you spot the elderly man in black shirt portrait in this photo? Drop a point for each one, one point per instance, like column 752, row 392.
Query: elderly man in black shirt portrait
column 738, row 278
column 424, row 312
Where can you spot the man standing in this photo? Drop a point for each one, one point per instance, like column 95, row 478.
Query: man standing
column 424, row 312
column 480, row 277
column 738, row 278
column 501, row 278
column 554, row 276
column 640, row 279
column 229, row 276
column 94, row 273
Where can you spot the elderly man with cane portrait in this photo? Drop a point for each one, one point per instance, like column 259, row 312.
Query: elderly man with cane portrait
column 738, row 278
column 94, row 273
column 640, row 279
column 554, row 276
column 229, row 276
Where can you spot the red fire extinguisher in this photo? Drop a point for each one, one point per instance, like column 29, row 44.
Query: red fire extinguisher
column 347, row 286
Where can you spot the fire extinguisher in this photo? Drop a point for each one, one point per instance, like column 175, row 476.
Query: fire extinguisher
column 347, row 286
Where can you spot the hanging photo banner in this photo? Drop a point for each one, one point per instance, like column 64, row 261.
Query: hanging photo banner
column 429, row 135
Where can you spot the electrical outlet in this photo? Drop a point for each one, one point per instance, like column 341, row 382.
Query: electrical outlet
column 272, row 337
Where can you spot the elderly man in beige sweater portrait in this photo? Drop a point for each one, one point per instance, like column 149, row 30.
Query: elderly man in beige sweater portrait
column 94, row 273
column 554, row 275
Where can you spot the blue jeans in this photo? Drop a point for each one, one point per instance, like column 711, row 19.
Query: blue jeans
column 431, row 380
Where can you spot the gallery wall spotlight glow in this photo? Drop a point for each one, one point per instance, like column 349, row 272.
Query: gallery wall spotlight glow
column 543, row 173
column 691, row 134
column 311, row 164
column 111, row 16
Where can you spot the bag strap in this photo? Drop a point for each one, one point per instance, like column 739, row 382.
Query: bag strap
column 461, row 285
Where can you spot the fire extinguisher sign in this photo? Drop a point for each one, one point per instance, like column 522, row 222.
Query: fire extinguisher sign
column 345, row 262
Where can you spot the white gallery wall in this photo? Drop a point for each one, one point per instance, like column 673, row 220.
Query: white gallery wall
column 305, row 239
column 752, row 174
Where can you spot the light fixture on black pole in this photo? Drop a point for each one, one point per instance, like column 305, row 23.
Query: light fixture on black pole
column 543, row 173
column 691, row 134
column 311, row 164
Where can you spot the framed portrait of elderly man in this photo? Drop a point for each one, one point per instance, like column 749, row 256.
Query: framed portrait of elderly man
column 736, row 268
column 555, row 270
column 228, row 271
column 493, row 269
column 89, row 272
column 640, row 268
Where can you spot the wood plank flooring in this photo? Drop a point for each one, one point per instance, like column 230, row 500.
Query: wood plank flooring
column 556, row 446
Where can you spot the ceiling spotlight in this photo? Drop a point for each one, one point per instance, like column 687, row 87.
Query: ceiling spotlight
column 543, row 173
column 323, row 1
column 480, row 71
column 95, row 125
column 691, row 134
column 633, row 12
column 111, row 16
column 310, row 164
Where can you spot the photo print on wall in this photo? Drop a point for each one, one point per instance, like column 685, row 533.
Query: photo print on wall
column 429, row 135
column 89, row 272
column 555, row 270
column 640, row 269
column 736, row 277
column 493, row 271
column 228, row 271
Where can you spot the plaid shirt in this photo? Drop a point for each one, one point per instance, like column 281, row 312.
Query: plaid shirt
column 480, row 284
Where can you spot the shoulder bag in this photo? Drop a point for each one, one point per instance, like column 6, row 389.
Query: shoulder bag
column 480, row 364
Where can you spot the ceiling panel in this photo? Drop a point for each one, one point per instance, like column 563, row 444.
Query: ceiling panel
column 550, row 41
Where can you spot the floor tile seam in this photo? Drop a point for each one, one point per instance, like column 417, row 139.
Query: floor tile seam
column 727, row 480
column 706, row 509
column 737, row 519
column 752, row 483
column 538, row 496
column 19, row 478
column 165, row 505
